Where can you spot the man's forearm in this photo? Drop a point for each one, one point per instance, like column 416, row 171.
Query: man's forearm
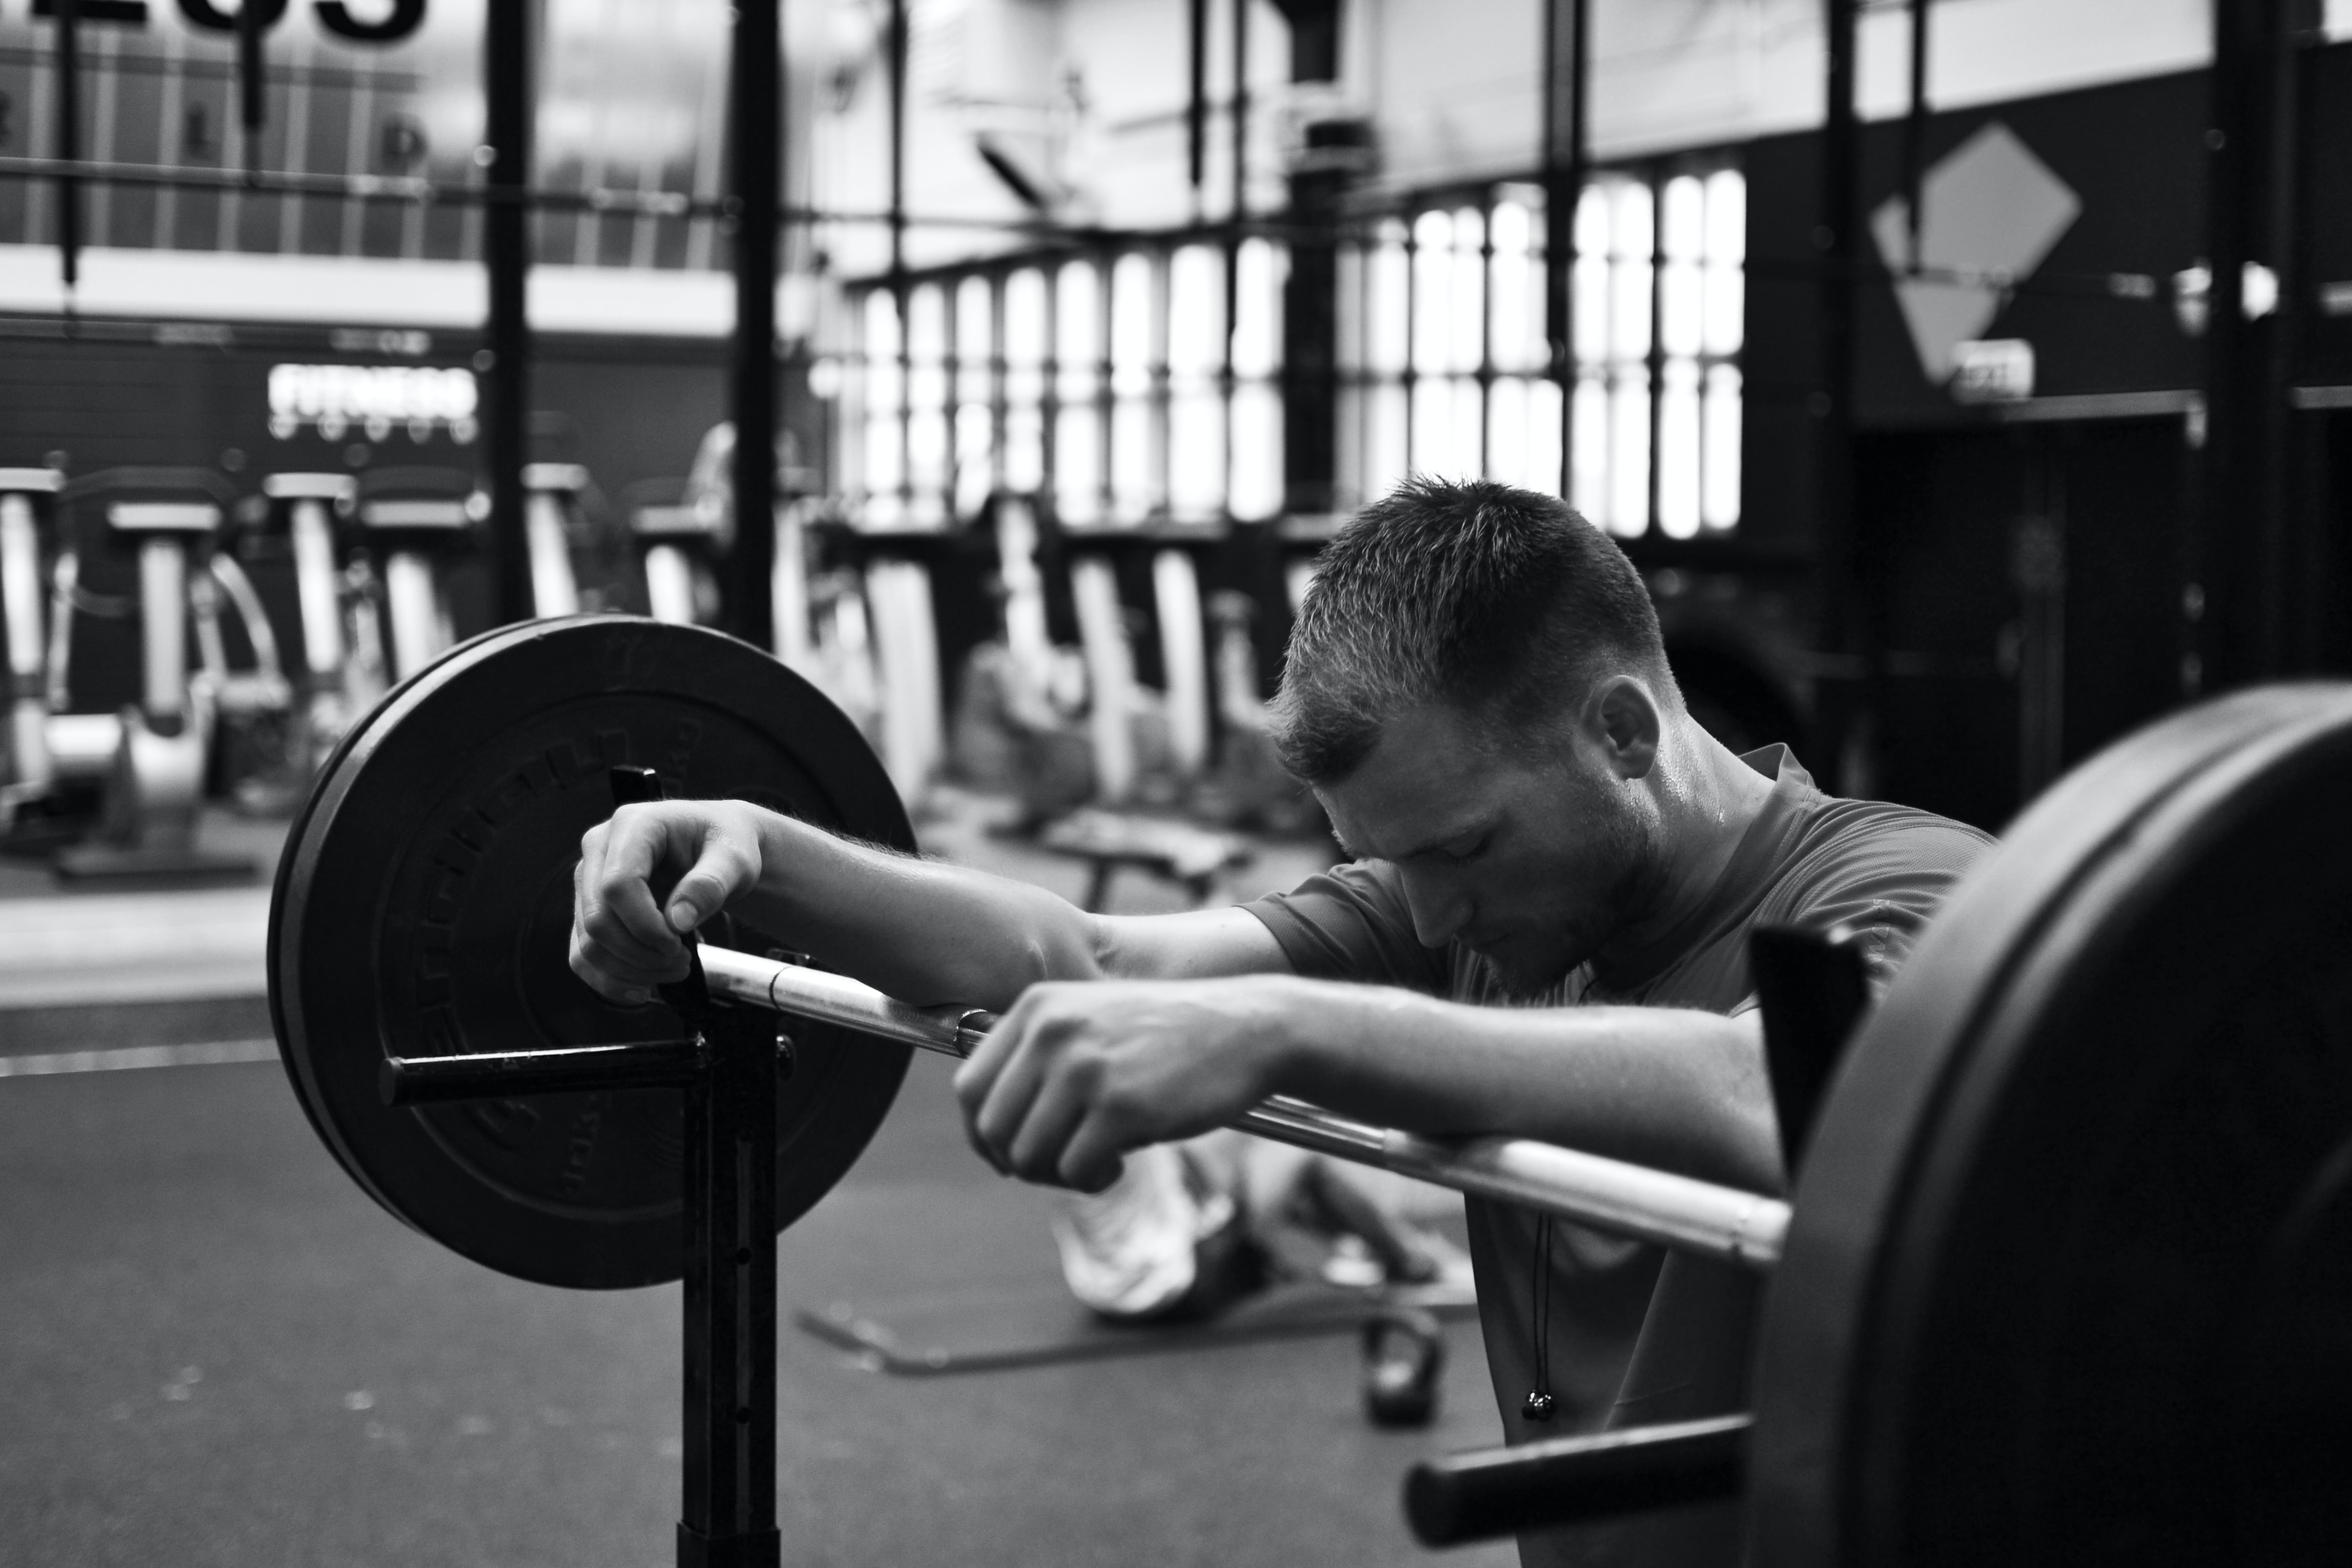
column 921, row 930
column 1679, row 1090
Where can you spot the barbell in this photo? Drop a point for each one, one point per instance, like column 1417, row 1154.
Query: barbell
column 2066, row 1275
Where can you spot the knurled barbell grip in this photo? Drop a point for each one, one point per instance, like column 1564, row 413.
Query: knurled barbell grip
column 1609, row 1194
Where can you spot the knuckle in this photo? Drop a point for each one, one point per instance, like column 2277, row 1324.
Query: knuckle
column 1122, row 1111
column 1088, row 1072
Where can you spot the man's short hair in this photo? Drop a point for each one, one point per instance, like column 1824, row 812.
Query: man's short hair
column 1499, row 601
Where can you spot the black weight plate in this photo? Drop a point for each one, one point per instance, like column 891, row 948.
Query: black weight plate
column 2070, row 1280
column 423, row 908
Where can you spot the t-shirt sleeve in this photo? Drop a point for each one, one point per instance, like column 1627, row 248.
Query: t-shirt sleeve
column 1878, row 876
column 1351, row 922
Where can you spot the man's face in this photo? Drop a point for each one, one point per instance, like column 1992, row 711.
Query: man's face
column 1533, row 858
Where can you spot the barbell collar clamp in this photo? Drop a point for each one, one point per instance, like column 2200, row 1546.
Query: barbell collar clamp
column 1489, row 1492
column 1726, row 1223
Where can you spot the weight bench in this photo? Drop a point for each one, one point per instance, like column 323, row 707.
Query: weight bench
column 1108, row 841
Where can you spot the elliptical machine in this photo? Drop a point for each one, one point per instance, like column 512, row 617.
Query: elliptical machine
column 552, row 494
column 679, row 549
column 412, row 524
column 24, row 494
column 166, row 520
column 38, row 811
column 306, row 518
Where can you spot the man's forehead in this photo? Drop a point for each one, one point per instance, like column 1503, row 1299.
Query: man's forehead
column 1426, row 782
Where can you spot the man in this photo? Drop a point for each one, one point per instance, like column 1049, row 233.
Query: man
column 1544, row 934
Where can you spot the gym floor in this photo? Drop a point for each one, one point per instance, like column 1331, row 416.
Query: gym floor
column 217, row 1350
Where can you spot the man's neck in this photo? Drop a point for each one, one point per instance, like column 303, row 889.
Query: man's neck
column 1704, row 812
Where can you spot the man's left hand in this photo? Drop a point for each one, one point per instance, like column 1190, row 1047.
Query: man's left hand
column 1080, row 1071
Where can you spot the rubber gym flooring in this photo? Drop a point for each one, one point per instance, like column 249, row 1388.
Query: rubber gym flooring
column 214, row 1349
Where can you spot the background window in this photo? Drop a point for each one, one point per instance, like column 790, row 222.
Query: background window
column 1445, row 368
column 1114, row 387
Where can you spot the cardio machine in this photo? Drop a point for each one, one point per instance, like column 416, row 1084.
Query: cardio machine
column 39, row 810
column 679, row 549
column 24, row 494
column 307, row 517
column 153, row 531
column 553, row 496
column 411, row 526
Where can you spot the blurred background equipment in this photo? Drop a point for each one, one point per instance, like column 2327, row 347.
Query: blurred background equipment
column 38, row 811
column 414, row 526
column 138, row 566
column 680, row 550
column 303, row 522
column 552, row 521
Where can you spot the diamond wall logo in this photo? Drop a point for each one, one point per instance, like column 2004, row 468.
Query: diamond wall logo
column 1989, row 207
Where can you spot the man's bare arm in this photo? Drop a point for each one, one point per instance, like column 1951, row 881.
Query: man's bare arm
column 921, row 930
column 1675, row 1088
column 1076, row 1075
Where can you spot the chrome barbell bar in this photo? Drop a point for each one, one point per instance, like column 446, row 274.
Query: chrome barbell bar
column 1630, row 1200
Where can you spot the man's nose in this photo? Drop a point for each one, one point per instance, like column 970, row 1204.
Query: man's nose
column 1440, row 908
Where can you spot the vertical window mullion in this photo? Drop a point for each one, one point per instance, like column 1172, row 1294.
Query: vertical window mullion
column 1000, row 395
column 899, row 294
column 1105, row 289
column 1049, row 391
column 1657, row 360
column 1410, row 377
column 1485, row 334
column 951, row 392
column 1158, row 480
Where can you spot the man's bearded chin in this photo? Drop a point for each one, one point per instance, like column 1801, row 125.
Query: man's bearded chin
column 1527, row 976
column 1531, row 973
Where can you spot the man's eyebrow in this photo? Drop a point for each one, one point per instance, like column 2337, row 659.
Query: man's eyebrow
column 1460, row 830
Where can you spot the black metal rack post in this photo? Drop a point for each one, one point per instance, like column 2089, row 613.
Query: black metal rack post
column 730, row 1515
column 1328, row 164
column 728, row 1069
column 507, row 114
column 69, row 138
column 1915, row 136
column 756, row 108
column 2250, row 552
column 1848, row 617
column 729, row 1072
column 1567, row 39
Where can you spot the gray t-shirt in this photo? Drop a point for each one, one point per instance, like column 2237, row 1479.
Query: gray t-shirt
column 1636, row 1337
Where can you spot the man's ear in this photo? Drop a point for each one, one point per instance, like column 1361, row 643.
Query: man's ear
column 1629, row 724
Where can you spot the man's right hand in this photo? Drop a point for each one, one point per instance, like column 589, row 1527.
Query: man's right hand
column 651, row 872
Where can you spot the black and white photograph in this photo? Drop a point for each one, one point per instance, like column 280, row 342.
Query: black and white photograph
column 1176, row 784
